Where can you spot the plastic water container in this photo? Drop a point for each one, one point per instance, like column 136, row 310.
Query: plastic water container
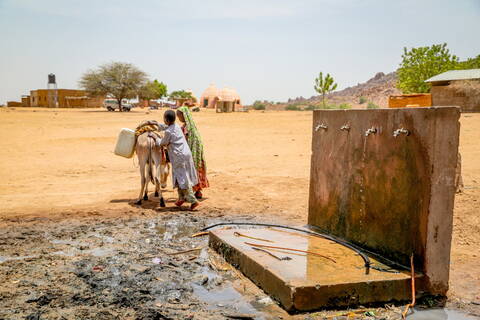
column 125, row 146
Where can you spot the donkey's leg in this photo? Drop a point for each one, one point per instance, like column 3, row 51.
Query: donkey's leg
column 164, row 170
column 156, row 188
column 147, row 180
column 157, row 160
column 158, row 177
column 157, row 182
column 142, row 180
column 157, row 185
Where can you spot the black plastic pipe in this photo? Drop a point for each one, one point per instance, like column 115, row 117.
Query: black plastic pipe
column 365, row 258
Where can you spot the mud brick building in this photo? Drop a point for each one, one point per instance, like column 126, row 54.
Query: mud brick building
column 457, row 88
column 67, row 98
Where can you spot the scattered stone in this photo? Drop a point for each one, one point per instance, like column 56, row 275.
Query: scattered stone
column 265, row 301
column 42, row 300
column 34, row 316
column 98, row 268
column 239, row 316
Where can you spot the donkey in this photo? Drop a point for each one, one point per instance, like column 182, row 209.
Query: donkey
column 150, row 156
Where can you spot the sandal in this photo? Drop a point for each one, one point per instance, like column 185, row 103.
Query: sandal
column 179, row 203
column 194, row 206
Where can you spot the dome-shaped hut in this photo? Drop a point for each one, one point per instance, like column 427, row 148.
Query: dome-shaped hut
column 209, row 97
column 229, row 100
column 224, row 100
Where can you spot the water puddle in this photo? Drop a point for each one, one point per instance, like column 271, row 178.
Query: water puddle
column 96, row 252
column 69, row 242
column 107, row 239
column 439, row 314
column 175, row 230
column 70, row 253
column 223, row 297
column 6, row 258
column 100, row 252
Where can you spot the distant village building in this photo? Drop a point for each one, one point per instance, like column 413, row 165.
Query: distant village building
column 410, row 100
column 13, row 104
column 224, row 100
column 183, row 101
column 66, row 98
column 25, row 101
column 451, row 88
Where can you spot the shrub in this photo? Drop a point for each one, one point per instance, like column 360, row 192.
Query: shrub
column 344, row 106
column 334, row 106
column 257, row 105
column 327, row 107
column 372, row 105
column 310, row 107
column 293, row 107
column 362, row 100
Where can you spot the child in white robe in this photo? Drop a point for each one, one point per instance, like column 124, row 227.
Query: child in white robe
column 184, row 174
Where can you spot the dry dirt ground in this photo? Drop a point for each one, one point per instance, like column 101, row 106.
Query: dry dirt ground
column 67, row 215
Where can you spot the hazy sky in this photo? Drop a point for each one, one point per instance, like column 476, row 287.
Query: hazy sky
column 266, row 49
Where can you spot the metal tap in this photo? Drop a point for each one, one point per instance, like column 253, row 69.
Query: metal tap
column 345, row 127
column 370, row 131
column 401, row 131
column 321, row 126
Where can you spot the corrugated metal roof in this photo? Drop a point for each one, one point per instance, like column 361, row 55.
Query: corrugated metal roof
column 456, row 75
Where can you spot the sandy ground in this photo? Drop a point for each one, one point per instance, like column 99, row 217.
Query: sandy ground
column 59, row 162
column 57, row 165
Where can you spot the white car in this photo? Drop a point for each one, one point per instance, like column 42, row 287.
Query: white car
column 112, row 105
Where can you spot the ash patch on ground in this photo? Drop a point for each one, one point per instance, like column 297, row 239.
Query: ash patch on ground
column 117, row 269
column 135, row 267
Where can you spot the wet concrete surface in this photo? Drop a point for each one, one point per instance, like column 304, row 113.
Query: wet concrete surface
column 439, row 314
column 123, row 268
column 329, row 275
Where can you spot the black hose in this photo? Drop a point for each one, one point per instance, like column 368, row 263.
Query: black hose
column 365, row 258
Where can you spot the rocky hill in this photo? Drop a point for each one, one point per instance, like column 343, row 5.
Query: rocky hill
column 376, row 90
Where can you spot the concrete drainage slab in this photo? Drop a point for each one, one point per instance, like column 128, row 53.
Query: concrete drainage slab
column 307, row 282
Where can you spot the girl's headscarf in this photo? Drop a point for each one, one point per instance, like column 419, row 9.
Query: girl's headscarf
column 194, row 140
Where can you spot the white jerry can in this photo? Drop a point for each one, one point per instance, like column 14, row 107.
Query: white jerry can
column 125, row 146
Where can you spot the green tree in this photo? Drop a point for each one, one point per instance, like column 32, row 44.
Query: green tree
column 180, row 94
column 153, row 90
column 471, row 63
column 422, row 63
column 324, row 85
column 116, row 79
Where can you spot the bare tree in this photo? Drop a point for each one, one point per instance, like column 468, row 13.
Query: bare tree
column 116, row 79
